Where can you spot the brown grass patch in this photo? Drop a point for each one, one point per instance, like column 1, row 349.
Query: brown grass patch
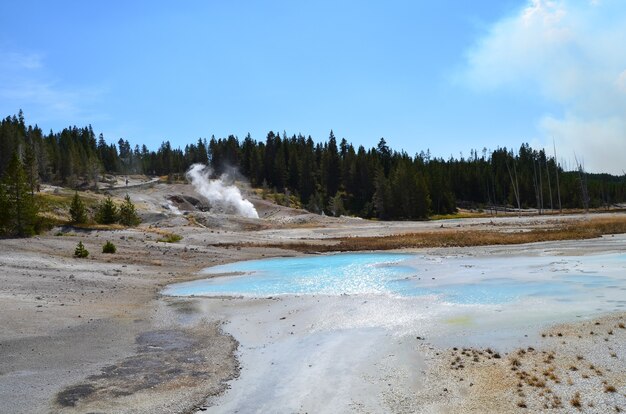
column 584, row 229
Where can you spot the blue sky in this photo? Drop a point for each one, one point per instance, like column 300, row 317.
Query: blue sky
column 447, row 76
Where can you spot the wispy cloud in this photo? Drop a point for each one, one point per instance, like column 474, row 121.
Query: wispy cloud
column 19, row 61
column 570, row 53
column 25, row 83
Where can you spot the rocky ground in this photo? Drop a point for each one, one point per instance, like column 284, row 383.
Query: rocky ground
column 94, row 335
column 572, row 368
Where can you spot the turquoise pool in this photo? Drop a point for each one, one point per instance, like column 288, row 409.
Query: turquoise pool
column 587, row 280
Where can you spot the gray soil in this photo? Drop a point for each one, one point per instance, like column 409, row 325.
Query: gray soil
column 94, row 335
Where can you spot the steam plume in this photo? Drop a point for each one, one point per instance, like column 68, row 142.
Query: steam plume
column 225, row 196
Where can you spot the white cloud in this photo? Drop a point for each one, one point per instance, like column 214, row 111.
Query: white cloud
column 601, row 143
column 19, row 61
column 621, row 82
column 570, row 53
column 26, row 84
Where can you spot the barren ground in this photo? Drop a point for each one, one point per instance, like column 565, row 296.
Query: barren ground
column 94, row 335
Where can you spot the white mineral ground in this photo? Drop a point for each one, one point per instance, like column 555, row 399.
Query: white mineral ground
column 96, row 335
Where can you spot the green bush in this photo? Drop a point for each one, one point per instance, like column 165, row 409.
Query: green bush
column 128, row 214
column 80, row 251
column 170, row 238
column 109, row 248
column 78, row 212
column 107, row 212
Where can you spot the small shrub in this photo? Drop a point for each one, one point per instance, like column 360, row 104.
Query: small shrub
column 170, row 238
column 575, row 401
column 80, row 251
column 109, row 248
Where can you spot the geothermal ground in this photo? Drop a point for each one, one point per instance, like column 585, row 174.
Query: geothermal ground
column 97, row 335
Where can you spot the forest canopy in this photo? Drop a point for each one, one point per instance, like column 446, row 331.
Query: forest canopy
column 332, row 177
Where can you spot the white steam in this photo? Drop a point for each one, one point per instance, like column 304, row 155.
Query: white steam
column 219, row 194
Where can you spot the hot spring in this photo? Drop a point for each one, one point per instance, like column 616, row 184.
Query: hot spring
column 589, row 284
column 320, row 332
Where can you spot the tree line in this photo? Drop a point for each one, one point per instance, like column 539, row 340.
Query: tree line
column 331, row 177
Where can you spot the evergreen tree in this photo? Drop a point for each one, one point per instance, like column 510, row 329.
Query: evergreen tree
column 336, row 204
column 31, row 166
column 382, row 199
column 373, row 182
column 4, row 211
column 128, row 214
column 20, row 205
column 331, row 172
column 80, row 251
column 107, row 212
column 78, row 212
column 315, row 203
column 109, row 248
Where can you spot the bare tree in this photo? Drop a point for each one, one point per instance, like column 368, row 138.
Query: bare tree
column 536, row 186
column 514, row 184
column 558, row 187
column 540, row 184
column 549, row 185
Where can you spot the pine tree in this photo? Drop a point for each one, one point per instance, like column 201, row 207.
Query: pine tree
column 382, row 197
column 78, row 212
column 109, row 248
column 20, row 205
column 107, row 212
column 31, row 167
column 128, row 214
column 80, row 251
column 4, row 210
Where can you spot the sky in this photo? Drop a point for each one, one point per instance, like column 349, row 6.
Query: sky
column 448, row 76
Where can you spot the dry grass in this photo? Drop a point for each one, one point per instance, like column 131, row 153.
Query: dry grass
column 170, row 238
column 585, row 229
column 96, row 226
column 575, row 401
column 458, row 215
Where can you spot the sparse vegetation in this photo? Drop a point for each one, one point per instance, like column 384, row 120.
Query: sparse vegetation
column 170, row 238
column 109, row 248
column 80, row 251
column 460, row 238
column 575, row 401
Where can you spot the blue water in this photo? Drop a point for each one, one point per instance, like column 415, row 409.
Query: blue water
column 453, row 280
column 333, row 274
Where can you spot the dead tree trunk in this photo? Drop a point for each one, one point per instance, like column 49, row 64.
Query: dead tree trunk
column 540, row 186
column 549, row 186
column 558, row 187
column 536, row 186
column 515, row 185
